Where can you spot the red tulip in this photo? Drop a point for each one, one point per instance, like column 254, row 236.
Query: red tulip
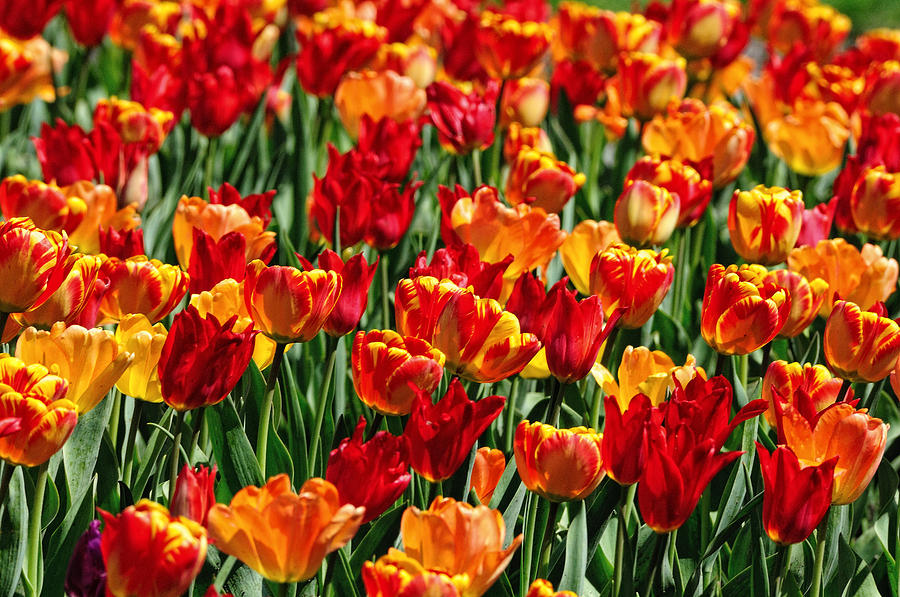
column 194, row 493
column 624, row 447
column 256, row 205
column 393, row 145
column 464, row 121
column 122, row 244
column 462, row 265
column 356, row 276
column 212, row 261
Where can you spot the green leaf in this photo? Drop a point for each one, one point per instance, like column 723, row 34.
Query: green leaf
column 79, row 453
column 378, row 539
column 13, row 534
column 343, row 574
column 231, row 447
column 576, row 549
column 886, row 480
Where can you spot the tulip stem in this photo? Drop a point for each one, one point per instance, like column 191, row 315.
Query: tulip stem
column 127, row 463
column 659, row 552
column 173, row 459
column 782, row 563
column 821, row 539
column 265, row 414
column 283, row 589
column 842, row 393
column 510, row 427
column 197, row 422
column 476, row 167
column 547, row 541
column 621, row 533
column 528, row 544
column 323, row 403
column 223, row 573
column 33, row 553
column 114, row 417
column 609, row 346
column 212, row 146
column 720, row 364
column 385, row 296
column 556, row 403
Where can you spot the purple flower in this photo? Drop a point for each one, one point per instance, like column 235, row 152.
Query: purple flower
column 86, row 576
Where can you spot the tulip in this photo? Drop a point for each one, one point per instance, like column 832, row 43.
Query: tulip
column 646, row 214
column 47, row 206
column 371, row 474
column 543, row 588
column 624, row 447
column 90, row 26
column 817, row 223
column 80, row 288
column 27, row 19
column 486, row 472
column 392, row 145
column 103, row 213
column 540, row 180
column 282, row 535
column 28, row 66
column 414, row 60
column 141, row 285
column 202, row 360
column 148, row 553
column 599, row 36
column 89, row 359
column 257, row 205
column 507, row 48
column 634, row 281
column 694, row 132
column 764, row 223
column 397, row 574
column 137, row 336
column 860, row 345
column 464, row 121
column 460, row 540
column 378, row 94
column 816, row 26
column 742, row 310
column 519, row 137
column 289, row 305
column 143, row 126
column 86, row 573
column 480, row 340
column 642, row 371
column 194, row 493
column 649, row 82
column 796, row 497
column 343, row 43
column 806, row 300
column 462, row 265
column 783, row 381
column 694, row 192
column 881, row 84
column 35, row 259
column 875, row 203
column 855, row 437
column 389, row 368
column 558, row 464
column 38, row 399
column 356, row 278
column 525, row 101
column 213, row 261
column 578, row 250
column 441, row 435
column 699, row 29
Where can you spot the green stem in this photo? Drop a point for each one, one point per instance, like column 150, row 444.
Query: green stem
column 821, row 538
column 323, row 404
column 556, row 404
column 128, row 464
column 621, row 534
column 782, row 563
column 262, row 433
column 476, row 167
column 283, row 589
column 595, row 407
column 528, row 545
column 114, row 417
column 385, row 293
column 510, row 426
column 173, row 458
column 609, row 346
column 222, row 574
column 659, row 552
column 704, row 519
column 211, row 150
column 547, row 541
column 682, row 270
column 33, row 553
column 198, row 426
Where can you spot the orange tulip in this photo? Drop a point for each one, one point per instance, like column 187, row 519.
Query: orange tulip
column 764, row 223
column 646, row 214
column 27, row 68
column 383, row 94
column 578, row 250
column 46, row 204
column 287, row 304
column 860, row 345
column 649, row 82
column 217, row 220
column 507, row 48
column 486, row 472
column 694, row 191
column 642, row 371
column 102, row 212
column 282, row 535
column 398, row 574
column 387, row 365
column 742, row 310
column 558, row 464
column 414, row 60
column 542, row 181
column 861, row 276
column 783, row 380
column 141, row 285
column 806, row 299
column 73, row 295
column 150, row 553
column 33, row 263
column 631, row 279
column 137, row 336
column 875, row 203
column 30, row 393
column 481, row 341
column 89, row 359
column 459, row 540
column 589, row 33
column 693, row 132
column 524, row 101
column 857, row 439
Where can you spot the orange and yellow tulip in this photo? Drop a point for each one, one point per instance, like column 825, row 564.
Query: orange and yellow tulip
column 742, row 310
column 679, row 178
column 543, row 588
column 631, row 279
column 150, row 553
column 30, row 393
column 459, row 540
column 589, row 33
column 764, row 223
column 558, row 464
column 386, row 365
column 33, row 262
column 649, row 82
column 138, row 336
column 642, row 371
column 141, row 285
column 287, row 304
column 784, row 380
column 79, row 288
column 508, row 48
column 89, row 359
column 47, row 206
column 524, row 101
column 578, row 250
column 27, row 66
column 875, row 203
column 860, row 345
column 646, row 214
column 486, row 472
column 383, row 94
column 542, row 181
column 398, row 574
column 282, row 535
column 102, row 212
column 807, row 298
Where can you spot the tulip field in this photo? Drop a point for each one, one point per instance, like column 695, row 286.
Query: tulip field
column 442, row 298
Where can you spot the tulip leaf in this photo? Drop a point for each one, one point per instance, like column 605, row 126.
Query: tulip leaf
column 148, row 464
column 887, row 481
column 838, row 521
column 343, row 574
column 576, row 549
column 232, row 449
column 62, row 541
column 238, row 165
column 511, row 514
column 79, row 453
column 378, row 539
column 842, row 568
column 733, row 495
column 13, row 534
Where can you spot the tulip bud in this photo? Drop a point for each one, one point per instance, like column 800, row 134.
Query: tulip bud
column 649, row 82
column 646, row 214
column 486, row 472
column 542, row 181
column 524, row 101
column 764, row 223
column 860, row 345
column 86, row 574
column 507, row 48
column 194, row 493
column 558, row 464
column 875, row 203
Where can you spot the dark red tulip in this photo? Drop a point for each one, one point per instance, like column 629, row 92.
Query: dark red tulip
column 624, row 445
column 211, row 261
column 462, row 265
column 194, row 493
column 356, row 276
